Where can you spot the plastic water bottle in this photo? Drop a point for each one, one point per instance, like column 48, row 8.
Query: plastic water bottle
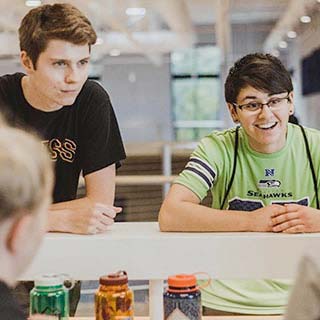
column 182, row 300
column 114, row 299
column 50, row 297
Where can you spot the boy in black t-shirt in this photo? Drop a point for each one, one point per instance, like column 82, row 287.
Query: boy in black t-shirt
column 73, row 115
column 26, row 180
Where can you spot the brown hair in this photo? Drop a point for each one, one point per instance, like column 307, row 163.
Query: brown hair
column 263, row 72
column 60, row 21
column 26, row 174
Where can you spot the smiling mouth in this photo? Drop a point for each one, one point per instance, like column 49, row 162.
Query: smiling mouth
column 266, row 126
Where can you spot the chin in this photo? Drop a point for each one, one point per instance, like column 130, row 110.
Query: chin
column 67, row 102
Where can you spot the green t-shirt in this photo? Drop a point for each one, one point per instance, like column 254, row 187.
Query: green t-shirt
column 260, row 179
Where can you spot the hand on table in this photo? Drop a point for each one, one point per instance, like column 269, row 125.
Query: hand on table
column 100, row 217
column 261, row 218
column 296, row 219
column 82, row 216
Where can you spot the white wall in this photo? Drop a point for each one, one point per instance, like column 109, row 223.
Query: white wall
column 141, row 95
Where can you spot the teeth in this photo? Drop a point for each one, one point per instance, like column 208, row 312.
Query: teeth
column 266, row 125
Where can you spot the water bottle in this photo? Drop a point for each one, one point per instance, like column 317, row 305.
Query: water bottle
column 114, row 299
column 182, row 299
column 50, row 297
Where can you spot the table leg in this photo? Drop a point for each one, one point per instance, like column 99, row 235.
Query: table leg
column 156, row 299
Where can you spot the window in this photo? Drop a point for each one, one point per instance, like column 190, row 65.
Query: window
column 195, row 92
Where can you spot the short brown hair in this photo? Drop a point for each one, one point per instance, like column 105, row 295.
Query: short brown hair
column 59, row 21
column 26, row 173
column 261, row 71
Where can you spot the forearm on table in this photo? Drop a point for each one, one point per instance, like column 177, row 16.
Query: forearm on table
column 191, row 217
column 63, row 216
column 60, row 213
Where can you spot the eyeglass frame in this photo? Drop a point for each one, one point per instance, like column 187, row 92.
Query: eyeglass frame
column 240, row 106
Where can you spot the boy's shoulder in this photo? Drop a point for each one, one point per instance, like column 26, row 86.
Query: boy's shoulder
column 94, row 90
column 11, row 79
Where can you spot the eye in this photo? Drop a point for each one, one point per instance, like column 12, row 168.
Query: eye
column 252, row 106
column 83, row 62
column 274, row 102
column 59, row 63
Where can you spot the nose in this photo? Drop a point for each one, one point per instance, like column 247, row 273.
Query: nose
column 265, row 111
column 72, row 75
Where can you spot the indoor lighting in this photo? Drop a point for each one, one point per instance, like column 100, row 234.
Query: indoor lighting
column 33, row 3
column 283, row 44
column 135, row 11
column 305, row 19
column 291, row 34
column 114, row 53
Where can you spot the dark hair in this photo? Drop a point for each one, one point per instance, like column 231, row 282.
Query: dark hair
column 60, row 21
column 261, row 71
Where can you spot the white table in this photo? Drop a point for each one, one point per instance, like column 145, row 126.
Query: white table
column 148, row 254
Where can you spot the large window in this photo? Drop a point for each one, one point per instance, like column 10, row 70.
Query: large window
column 195, row 91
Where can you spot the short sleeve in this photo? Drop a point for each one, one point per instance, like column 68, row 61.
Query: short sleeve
column 101, row 142
column 200, row 173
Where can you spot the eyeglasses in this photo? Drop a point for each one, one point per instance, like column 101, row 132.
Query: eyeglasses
column 273, row 104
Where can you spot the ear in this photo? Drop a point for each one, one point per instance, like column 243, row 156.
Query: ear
column 291, row 109
column 233, row 113
column 26, row 62
column 18, row 233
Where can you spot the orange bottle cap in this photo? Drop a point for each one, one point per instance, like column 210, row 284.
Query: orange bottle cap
column 182, row 280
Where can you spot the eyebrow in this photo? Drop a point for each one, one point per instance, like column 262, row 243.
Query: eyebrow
column 254, row 97
column 68, row 60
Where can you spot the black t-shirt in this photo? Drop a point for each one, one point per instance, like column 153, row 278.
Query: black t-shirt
column 84, row 136
column 9, row 307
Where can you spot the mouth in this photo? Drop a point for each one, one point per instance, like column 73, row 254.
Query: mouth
column 69, row 91
column 266, row 126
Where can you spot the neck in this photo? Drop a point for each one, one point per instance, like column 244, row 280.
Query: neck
column 35, row 98
column 7, row 271
column 267, row 149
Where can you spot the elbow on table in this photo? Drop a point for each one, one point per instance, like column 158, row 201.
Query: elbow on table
column 165, row 218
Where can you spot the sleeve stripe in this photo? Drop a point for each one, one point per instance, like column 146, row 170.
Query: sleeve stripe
column 205, row 165
column 199, row 174
column 192, row 164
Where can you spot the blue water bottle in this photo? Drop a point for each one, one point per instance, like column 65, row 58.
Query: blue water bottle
column 182, row 300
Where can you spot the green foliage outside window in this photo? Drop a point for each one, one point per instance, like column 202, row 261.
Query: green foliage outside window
column 195, row 90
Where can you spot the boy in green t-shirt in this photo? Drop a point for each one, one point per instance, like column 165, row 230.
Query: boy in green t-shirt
column 258, row 168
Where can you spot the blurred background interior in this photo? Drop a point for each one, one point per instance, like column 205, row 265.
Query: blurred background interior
column 164, row 62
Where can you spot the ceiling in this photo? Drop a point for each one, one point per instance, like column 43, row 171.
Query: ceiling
column 165, row 26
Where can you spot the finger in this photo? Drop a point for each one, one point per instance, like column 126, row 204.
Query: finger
column 286, row 225
column 105, row 219
column 284, row 217
column 292, row 206
column 107, row 210
column 296, row 229
column 101, row 227
column 278, row 210
column 117, row 209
